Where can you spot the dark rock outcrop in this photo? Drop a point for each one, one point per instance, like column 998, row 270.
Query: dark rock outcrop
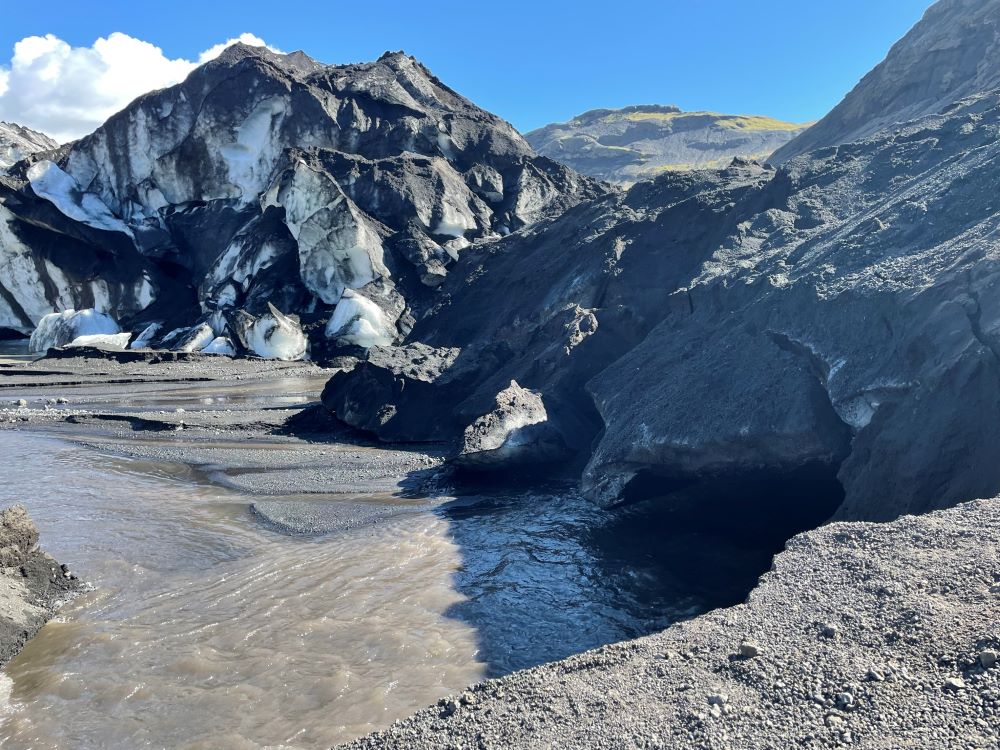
column 834, row 312
column 267, row 178
column 636, row 143
column 952, row 53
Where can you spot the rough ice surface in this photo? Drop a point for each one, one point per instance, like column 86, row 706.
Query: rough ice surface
column 250, row 159
column 62, row 191
column 277, row 336
column 60, row 329
column 359, row 321
column 338, row 247
column 145, row 338
column 116, row 341
column 195, row 339
column 220, row 345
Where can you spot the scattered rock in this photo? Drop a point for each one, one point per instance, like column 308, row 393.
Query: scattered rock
column 954, row 684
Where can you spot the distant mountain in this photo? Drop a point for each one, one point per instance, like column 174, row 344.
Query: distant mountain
column 952, row 53
column 635, row 143
column 17, row 142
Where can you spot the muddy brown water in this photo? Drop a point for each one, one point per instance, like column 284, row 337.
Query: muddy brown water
column 207, row 629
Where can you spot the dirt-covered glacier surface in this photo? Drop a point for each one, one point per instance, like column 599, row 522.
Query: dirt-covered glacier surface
column 862, row 635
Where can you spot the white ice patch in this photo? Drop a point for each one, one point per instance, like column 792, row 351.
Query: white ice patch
column 251, row 157
column 222, row 346
column 59, row 329
column 144, row 339
column 62, row 191
column 114, row 341
column 359, row 321
column 454, row 222
column 277, row 336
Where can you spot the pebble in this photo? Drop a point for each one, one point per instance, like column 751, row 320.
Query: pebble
column 954, row 684
column 828, row 631
column 845, row 700
column 22, row 404
column 718, row 699
column 988, row 658
column 749, row 650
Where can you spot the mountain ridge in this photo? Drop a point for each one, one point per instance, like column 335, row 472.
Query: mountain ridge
column 640, row 141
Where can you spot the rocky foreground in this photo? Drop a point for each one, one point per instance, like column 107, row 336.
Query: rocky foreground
column 862, row 635
column 32, row 584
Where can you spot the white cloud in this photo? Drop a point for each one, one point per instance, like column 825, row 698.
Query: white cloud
column 67, row 91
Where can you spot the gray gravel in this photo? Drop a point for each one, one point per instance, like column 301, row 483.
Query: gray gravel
column 246, row 425
column 868, row 636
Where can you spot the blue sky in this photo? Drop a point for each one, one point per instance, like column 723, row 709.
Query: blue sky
column 538, row 62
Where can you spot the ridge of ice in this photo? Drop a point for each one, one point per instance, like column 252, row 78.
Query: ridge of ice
column 62, row 328
column 62, row 191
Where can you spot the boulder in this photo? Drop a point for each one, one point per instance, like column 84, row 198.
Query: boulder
column 516, row 432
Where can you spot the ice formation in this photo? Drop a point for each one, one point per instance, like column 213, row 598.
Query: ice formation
column 277, row 336
column 220, row 345
column 59, row 329
column 339, row 248
column 62, row 191
column 359, row 321
column 145, row 338
column 116, row 341
column 195, row 339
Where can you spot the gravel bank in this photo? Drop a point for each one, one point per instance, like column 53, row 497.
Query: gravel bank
column 253, row 426
column 32, row 584
column 862, row 635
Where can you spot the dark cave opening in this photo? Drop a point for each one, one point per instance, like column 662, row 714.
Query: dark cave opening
column 723, row 530
column 10, row 334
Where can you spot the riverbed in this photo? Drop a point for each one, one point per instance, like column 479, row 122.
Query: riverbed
column 212, row 624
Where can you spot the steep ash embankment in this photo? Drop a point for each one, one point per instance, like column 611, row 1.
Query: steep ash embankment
column 952, row 53
column 836, row 314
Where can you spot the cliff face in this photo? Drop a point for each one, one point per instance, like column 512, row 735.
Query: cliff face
column 268, row 178
column 952, row 53
column 637, row 143
column 835, row 313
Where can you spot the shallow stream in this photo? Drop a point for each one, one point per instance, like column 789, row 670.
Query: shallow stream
column 207, row 629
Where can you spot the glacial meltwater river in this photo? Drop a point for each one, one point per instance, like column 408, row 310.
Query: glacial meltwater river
column 207, row 629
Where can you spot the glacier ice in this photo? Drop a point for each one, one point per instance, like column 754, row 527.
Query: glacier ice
column 116, row 341
column 359, row 321
column 339, row 247
column 251, row 158
column 277, row 336
column 62, row 328
column 194, row 339
column 220, row 345
column 62, row 191
column 145, row 338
